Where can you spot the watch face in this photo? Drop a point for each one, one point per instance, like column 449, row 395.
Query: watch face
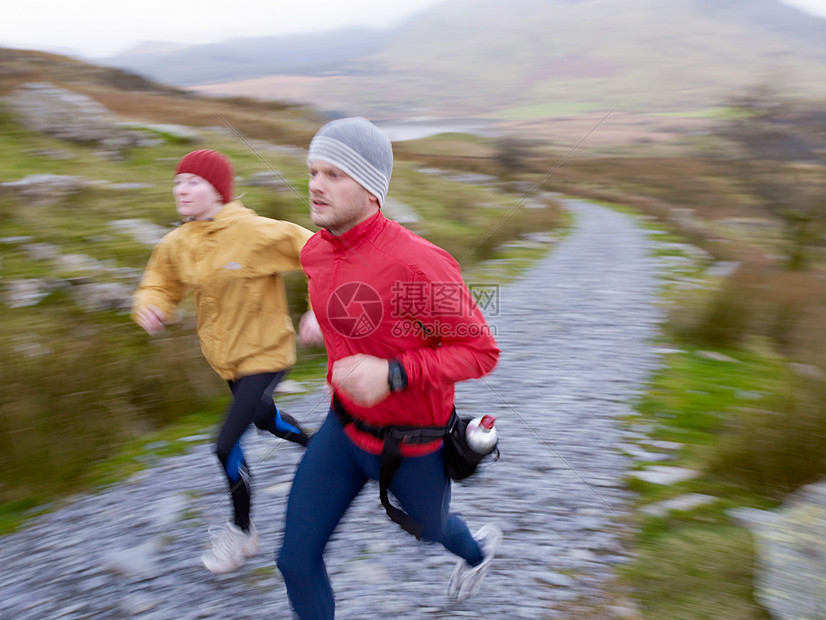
column 396, row 377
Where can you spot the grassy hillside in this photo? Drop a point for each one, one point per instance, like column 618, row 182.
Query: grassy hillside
column 81, row 381
column 135, row 98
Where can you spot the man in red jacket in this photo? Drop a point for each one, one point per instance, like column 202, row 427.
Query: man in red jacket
column 400, row 328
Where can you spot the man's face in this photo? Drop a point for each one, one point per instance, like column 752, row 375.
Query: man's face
column 337, row 202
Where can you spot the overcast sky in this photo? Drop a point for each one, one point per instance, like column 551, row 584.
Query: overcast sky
column 94, row 28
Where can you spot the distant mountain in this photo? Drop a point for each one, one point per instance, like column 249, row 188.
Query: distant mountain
column 153, row 47
column 520, row 59
column 253, row 57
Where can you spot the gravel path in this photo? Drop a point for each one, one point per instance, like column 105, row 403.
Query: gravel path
column 575, row 334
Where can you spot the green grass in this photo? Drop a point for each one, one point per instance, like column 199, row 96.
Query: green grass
column 696, row 571
column 694, row 399
column 138, row 453
column 697, row 564
column 129, row 458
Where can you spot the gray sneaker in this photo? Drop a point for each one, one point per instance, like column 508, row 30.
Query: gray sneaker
column 466, row 580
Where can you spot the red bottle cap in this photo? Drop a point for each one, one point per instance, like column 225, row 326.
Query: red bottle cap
column 487, row 421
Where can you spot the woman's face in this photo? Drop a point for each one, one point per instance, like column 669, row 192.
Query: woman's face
column 195, row 197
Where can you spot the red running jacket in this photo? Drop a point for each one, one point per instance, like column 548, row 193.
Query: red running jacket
column 381, row 290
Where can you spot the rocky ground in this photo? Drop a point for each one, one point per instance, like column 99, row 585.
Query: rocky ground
column 575, row 334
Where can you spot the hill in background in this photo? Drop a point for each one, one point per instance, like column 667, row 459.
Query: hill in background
column 133, row 97
column 520, row 60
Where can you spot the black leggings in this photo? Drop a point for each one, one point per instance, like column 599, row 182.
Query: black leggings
column 252, row 403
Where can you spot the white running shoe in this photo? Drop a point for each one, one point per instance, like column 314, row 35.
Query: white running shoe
column 231, row 546
column 466, row 580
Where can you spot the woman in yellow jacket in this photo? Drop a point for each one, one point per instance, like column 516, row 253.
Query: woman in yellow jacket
column 230, row 259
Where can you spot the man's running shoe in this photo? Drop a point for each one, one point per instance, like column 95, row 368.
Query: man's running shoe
column 466, row 580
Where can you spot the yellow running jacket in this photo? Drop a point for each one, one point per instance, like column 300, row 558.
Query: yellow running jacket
column 232, row 266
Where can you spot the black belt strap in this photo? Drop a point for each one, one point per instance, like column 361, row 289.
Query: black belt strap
column 391, row 458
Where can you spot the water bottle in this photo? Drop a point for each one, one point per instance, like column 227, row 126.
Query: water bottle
column 481, row 434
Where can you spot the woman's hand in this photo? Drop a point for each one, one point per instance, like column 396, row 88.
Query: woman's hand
column 151, row 319
column 309, row 331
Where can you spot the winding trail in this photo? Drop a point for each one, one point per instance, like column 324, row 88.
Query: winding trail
column 575, row 333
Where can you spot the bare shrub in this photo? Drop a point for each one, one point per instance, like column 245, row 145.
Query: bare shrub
column 775, row 449
column 720, row 318
column 759, row 300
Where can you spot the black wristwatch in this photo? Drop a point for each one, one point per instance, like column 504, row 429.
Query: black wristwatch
column 396, row 376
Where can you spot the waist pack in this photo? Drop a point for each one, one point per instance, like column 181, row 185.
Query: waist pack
column 460, row 460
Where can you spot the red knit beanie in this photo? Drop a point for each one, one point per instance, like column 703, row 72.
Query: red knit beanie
column 213, row 167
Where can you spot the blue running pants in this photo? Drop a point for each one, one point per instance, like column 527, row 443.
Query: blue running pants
column 329, row 477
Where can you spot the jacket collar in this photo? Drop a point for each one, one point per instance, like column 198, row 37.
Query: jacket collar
column 230, row 211
column 369, row 229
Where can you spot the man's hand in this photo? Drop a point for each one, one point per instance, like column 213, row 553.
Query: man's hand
column 309, row 332
column 363, row 378
column 151, row 318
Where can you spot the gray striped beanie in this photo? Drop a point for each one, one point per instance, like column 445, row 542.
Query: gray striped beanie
column 358, row 148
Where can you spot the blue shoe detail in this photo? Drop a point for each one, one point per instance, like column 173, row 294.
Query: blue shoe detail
column 283, row 427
